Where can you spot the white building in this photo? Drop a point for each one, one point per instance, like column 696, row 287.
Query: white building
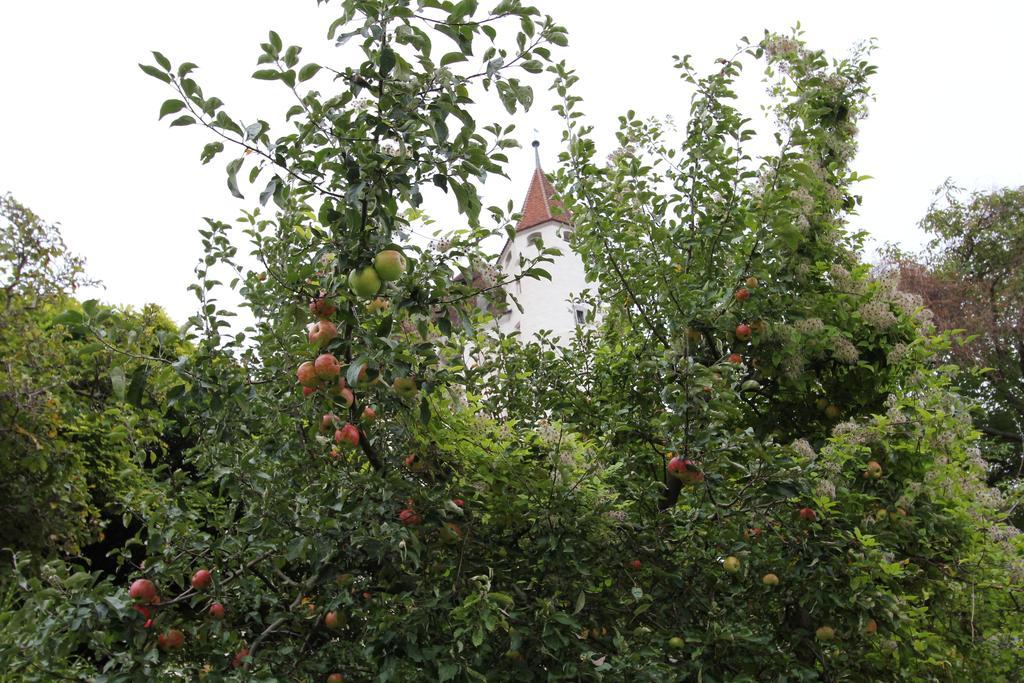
column 547, row 304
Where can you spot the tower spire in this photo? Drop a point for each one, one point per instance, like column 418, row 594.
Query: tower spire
column 540, row 206
column 536, row 153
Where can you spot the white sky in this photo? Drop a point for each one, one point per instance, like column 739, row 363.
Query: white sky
column 81, row 143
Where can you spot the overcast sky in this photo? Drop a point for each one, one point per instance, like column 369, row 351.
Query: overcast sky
column 82, row 146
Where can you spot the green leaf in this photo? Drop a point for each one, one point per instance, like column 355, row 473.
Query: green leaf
column 185, row 120
column 387, row 61
column 307, row 72
column 275, row 40
column 581, row 601
column 452, row 57
column 446, row 672
column 117, row 381
column 186, row 68
column 162, row 61
column 155, row 72
column 233, row 168
column 171, row 107
column 267, row 75
column 533, row 66
column 211, row 150
column 138, row 384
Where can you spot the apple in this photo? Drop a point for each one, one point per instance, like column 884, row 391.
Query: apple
column 808, row 514
column 308, row 391
column 364, row 283
column 832, row 411
column 307, row 375
column 409, row 517
column 759, row 327
column 742, row 294
column 731, row 564
column 143, row 590
column 451, row 533
column 241, row 658
column 327, row 421
column 405, row 387
column 144, row 611
column 871, row 628
column 321, row 307
column 389, row 264
column 821, row 403
column 873, row 471
column 326, row 366
column 743, row 332
column 751, row 282
column 334, row 620
column 459, row 502
column 349, row 434
column 635, row 565
column 770, row 580
column 752, row 533
column 685, row 470
column 409, row 460
column 676, row 643
column 171, row 640
column 202, row 579
column 322, row 332
column 335, row 678
column 369, row 414
column 217, row 610
column 825, row 633
column 735, row 358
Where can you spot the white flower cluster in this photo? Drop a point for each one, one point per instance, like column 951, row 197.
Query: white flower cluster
column 547, row 433
column 616, row 515
column 793, row 367
column 809, row 325
column 407, row 326
column 907, row 302
column 877, row 314
column 390, row 148
column 891, row 401
column 802, row 224
column 803, row 268
column 832, row 193
column 804, row 448
column 485, row 275
column 896, row 353
column 442, row 245
column 826, row 489
column 841, row 277
column 1003, row 532
column 849, row 427
column 804, row 199
column 842, row 146
column 844, row 351
column 890, row 282
column 896, row 416
column 780, row 46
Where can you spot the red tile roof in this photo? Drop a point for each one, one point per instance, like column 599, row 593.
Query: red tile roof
column 539, row 207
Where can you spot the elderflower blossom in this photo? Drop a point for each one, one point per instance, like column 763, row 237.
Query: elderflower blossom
column 804, row 199
column 877, row 314
column 780, row 46
column 844, row 351
column 804, row 448
column 826, row 489
column 809, row 325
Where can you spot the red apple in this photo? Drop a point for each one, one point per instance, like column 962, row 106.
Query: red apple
column 202, row 579
column 685, row 470
column 333, row 621
column 451, row 533
column 873, row 471
column 322, row 307
column 322, row 332
column 459, row 502
column 327, row 421
column 308, row 391
column 241, row 658
column 743, row 332
column 635, row 565
column 369, row 414
column 217, row 610
column 742, row 294
column 171, row 640
column 409, row 517
column 735, row 358
column 143, row 591
column 307, row 375
column 808, row 514
column 335, row 678
column 326, row 366
column 349, row 434
column 144, row 611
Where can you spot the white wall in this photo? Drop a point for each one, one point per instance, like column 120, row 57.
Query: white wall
column 545, row 303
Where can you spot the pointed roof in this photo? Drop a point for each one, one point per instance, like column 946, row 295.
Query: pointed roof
column 539, row 205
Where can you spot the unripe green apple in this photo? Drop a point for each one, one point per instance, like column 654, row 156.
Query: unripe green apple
column 731, row 564
column 825, row 633
column 364, row 283
column 832, row 411
column 676, row 643
column 770, row 580
column 404, row 387
column 389, row 264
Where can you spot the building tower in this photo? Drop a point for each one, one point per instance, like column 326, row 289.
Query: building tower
column 547, row 304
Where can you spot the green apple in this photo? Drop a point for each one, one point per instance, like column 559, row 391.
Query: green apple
column 364, row 283
column 390, row 265
column 676, row 643
column 731, row 564
column 404, row 387
column 770, row 580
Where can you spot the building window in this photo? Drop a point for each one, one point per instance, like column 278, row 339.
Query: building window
column 567, row 234
column 508, row 259
column 581, row 316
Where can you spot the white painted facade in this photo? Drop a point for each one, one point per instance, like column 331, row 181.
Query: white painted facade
column 547, row 304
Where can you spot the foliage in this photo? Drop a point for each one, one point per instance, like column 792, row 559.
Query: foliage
column 972, row 279
column 511, row 518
